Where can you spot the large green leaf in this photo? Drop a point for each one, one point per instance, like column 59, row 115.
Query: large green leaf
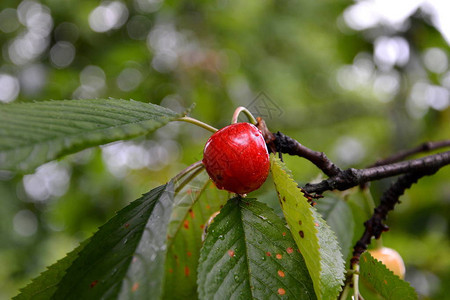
column 45, row 285
column 34, row 133
column 197, row 202
column 126, row 256
column 316, row 241
column 338, row 215
column 382, row 282
column 249, row 253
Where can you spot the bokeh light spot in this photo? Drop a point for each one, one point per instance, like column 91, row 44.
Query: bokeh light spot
column 62, row 54
column 9, row 88
column 25, row 223
column 107, row 16
column 129, row 79
column 435, row 60
column 50, row 179
column 8, row 20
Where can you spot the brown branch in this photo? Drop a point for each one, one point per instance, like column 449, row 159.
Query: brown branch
column 353, row 177
column 411, row 171
column 345, row 179
column 425, row 147
column 288, row 145
column 374, row 227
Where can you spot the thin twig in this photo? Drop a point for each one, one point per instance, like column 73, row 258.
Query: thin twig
column 374, row 227
column 288, row 145
column 353, row 177
column 425, row 147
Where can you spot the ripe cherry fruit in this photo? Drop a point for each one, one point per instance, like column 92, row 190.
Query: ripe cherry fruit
column 236, row 158
column 391, row 259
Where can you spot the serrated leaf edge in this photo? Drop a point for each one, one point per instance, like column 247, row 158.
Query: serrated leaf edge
column 390, row 271
column 317, row 218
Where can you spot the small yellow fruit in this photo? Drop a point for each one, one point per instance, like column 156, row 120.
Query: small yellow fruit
column 391, row 259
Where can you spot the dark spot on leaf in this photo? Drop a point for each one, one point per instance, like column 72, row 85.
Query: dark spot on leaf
column 189, row 254
column 191, row 213
column 135, row 287
column 302, row 235
column 279, row 256
column 187, row 271
column 281, row 273
column 127, row 225
column 268, row 254
column 284, row 199
column 290, row 250
column 281, row 291
column 231, row 253
column 186, row 224
column 299, row 222
column 94, row 283
column 202, row 226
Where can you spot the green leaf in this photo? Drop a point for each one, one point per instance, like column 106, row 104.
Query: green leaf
column 125, row 257
column 197, row 202
column 249, row 253
column 45, row 285
column 382, row 281
column 316, row 241
column 338, row 215
column 34, row 133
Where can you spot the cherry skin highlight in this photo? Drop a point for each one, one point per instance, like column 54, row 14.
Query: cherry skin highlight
column 236, row 158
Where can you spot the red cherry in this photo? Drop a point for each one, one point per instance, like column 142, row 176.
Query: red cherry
column 236, row 158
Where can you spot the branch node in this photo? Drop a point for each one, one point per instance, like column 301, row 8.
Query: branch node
column 310, row 197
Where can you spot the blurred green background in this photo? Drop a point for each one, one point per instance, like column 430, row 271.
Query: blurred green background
column 356, row 80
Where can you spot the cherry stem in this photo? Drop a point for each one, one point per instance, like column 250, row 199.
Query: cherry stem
column 198, row 123
column 249, row 115
column 197, row 165
column 355, row 281
column 344, row 294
